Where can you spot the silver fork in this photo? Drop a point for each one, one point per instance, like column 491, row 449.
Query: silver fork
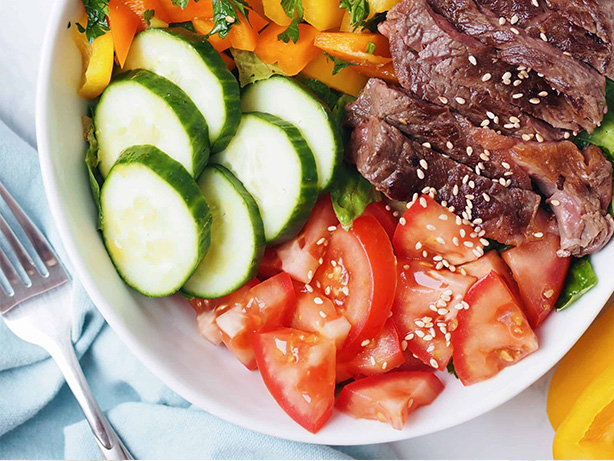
column 36, row 308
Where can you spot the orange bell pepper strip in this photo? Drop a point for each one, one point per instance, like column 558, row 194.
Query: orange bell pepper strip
column 257, row 6
column 200, row 9
column 243, row 35
column 353, row 47
column 385, row 72
column 290, row 57
column 230, row 63
column 97, row 59
column 140, row 6
column 123, row 23
column 257, row 19
column 204, row 26
column 347, row 80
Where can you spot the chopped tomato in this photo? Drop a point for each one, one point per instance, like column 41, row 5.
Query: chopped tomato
column 491, row 261
column 207, row 311
column 377, row 356
column 359, row 276
column 540, row 274
column 236, row 327
column 315, row 313
column 425, row 307
column 430, row 231
column 493, row 333
column 389, row 398
column 301, row 256
column 298, row 369
column 413, row 363
column 384, row 214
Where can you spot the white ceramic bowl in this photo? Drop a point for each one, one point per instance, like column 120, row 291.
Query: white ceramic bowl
column 162, row 333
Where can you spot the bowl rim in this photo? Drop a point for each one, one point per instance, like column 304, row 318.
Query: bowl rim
column 54, row 28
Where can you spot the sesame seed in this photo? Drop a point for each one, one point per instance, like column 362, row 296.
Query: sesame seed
column 458, row 221
column 440, row 240
column 549, row 293
column 538, row 235
column 402, row 221
column 507, row 81
column 514, row 19
column 462, row 271
column 419, row 323
column 372, row 360
column 430, row 227
column 555, row 202
column 543, row 36
column 420, row 173
column 469, row 197
column 425, row 254
column 332, row 228
column 535, row 3
column 424, row 164
column 455, row 241
column 384, row 365
column 485, row 123
column 460, row 100
column 516, row 31
column 449, row 145
column 526, row 137
column 431, row 348
column 517, row 96
column 517, row 82
column 469, row 150
column 327, row 290
column 420, row 333
column 507, row 76
column 534, row 100
column 365, row 342
column 443, row 217
column 514, row 119
column 539, row 137
column 229, row 19
column 566, row 135
column 455, row 190
column 472, row 184
column 468, row 244
column 542, row 94
column 501, row 181
column 423, row 202
column 434, row 363
column 310, row 274
column 473, row 61
column 465, row 179
column 404, row 345
column 509, row 126
column 476, row 252
column 395, row 214
column 409, row 337
column 428, row 337
column 484, row 157
column 443, row 99
column 309, row 288
column 333, row 263
column 439, row 266
column 501, row 21
column 345, row 291
column 487, row 76
column 426, row 144
column 462, row 233
column 318, row 300
column 321, row 241
column 567, row 53
column 321, row 260
column 323, row 314
column 484, row 242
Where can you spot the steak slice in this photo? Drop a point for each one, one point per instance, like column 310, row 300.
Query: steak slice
column 563, row 26
column 594, row 16
column 579, row 190
column 441, row 49
column 583, row 85
column 392, row 162
column 445, row 131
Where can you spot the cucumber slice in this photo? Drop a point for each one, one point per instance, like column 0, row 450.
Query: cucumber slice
column 190, row 62
column 273, row 161
column 237, row 245
column 140, row 107
column 155, row 221
column 292, row 102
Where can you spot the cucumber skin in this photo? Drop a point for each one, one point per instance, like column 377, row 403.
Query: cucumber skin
column 182, row 182
column 259, row 240
column 188, row 114
column 309, row 180
column 230, row 86
column 335, row 130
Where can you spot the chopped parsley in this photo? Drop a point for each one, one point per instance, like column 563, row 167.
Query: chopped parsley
column 225, row 14
column 371, row 24
column 97, row 23
column 148, row 16
column 359, row 11
column 371, row 47
column 294, row 10
column 338, row 63
column 181, row 3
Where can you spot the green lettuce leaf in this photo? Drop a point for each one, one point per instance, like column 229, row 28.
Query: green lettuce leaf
column 251, row 68
column 580, row 279
column 91, row 161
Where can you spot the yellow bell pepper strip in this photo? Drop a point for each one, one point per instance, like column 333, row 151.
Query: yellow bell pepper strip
column 346, row 25
column 582, row 364
column 379, row 6
column 274, row 11
column 347, row 80
column 97, row 59
column 355, row 48
column 385, row 72
column 587, row 432
column 323, row 14
column 290, row 57
column 139, row 7
column 123, row 23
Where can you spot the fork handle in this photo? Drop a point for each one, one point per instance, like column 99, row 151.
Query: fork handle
column 107, row 439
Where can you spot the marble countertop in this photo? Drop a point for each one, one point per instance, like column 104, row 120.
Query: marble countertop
column 517, row 430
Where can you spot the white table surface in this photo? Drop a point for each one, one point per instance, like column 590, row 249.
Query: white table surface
column 517, row 430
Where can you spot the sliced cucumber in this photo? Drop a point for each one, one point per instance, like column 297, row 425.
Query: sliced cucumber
column 140, row 107
column 273, row 161
column 155, row 221
column 189, row 61
column 237, row 242
column 292, row 102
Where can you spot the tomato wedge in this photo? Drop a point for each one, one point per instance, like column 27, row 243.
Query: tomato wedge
column 315, row 313
column 540, row 274
column 493, row 333
column 378, row 356
column 207, row 311
column 430, row 231
column 298, row 369
column 301, row 256
column 425, row 308
column 389, row 398
column 384, row 214
column 265, row 306
column 491, row 261
column 359, row 276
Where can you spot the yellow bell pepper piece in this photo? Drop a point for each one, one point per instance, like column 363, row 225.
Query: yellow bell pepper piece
column 323, row 14
column 582, row 364
column 346, row 80
column 379, row 6
column 97, row 59
column 274, row 11
column 345, row 23
column 588, row 430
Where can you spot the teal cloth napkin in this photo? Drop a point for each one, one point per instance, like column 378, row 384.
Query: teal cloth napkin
column 39, row 418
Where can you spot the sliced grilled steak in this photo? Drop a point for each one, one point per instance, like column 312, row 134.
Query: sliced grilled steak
column 442, row 50
column 583, row 85
column 400, row 168
column 428, row 123
column 594, row 16
column 579, row 190
column 559, row 28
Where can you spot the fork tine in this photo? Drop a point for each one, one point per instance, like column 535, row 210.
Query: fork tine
column 22, row 255
column 44, row 250
column 9, row 271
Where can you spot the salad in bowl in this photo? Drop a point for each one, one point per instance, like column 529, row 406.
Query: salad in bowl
column 360, row 199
